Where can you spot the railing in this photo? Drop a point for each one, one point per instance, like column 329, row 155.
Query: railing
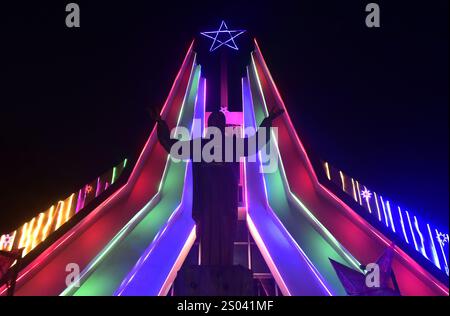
column 415, row 234
column 40, row 227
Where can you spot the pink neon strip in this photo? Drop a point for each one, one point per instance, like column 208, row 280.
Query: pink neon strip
column 350, row 212
column 84, row 222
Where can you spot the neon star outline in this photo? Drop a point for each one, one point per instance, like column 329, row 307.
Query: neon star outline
column 223, row 29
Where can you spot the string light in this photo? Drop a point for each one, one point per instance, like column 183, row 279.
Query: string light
column 424, row 244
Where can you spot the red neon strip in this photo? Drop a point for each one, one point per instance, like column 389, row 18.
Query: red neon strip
column 405, row 257
column 80, row 226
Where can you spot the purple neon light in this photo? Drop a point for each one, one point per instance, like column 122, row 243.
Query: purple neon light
column 97, row 189
column 160, row 259
column 276, row 241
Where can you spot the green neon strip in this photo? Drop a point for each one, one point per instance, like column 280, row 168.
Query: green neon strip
column 125, row 163
column 313, row 238
column 113, row 178
column 111, row 266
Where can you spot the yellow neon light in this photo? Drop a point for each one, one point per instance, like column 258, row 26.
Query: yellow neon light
column 342, row 180
column 37, row 230
column 29, row 237
column 60, row 209
column 69, row 208
column 359, row 192
column 327, row 168
column 23, row 235
column 49, row 222
column 354, row 190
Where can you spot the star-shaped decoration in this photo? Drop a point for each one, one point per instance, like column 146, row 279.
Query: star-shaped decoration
column 366, row 194
column 223, row 36
column 442, row 238
column 88, row 189
column 7, row 241
column 224, row 109
column 355, row 282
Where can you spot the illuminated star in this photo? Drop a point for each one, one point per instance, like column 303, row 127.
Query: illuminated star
column 7, row 241
column 366, row 194
column 443, row 238
column 223, row 31
column 88, row 189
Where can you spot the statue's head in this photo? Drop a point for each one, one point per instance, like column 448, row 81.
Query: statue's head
column 217, row 119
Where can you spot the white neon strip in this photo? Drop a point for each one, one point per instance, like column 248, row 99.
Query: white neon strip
column 191, row 239
column 359, row 220
column 344, row 253
column 403, row 224
column 262, row 247
column 388, row 207
column 354, row 190
column 342, row 180
column 327, row 233
column 85, row 273
column 443, row 252
column 327, row 168
column 367, row 201
column 384, row 212
column 359, row 192
column 378, row 207
column 433, row 249
column 178, row 262
column 412, row 231
column 422, row 246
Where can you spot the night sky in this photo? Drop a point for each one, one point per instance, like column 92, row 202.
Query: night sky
column 372, row 102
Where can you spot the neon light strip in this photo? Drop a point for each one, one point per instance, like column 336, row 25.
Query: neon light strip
column 251, row 226
column 49, row 222
column 190, row 240
column 407, row 259
column 113, row 178
column 328, row 171
column 384, row 212
column 388, row 207
column 433, row 248
column 143, row 258
column 56, row 245
column 23, row 235
column 359, row 193
column 378, row 207
column 354, row 191
column 442, row 250
column 29, row 236
column 331, row 238
column 132, row 223
column 403, row 224
column 192, row 236
column 422, row 247
column 342, row 180
column 284, row 230
column 303, row 254
column 37, row 230
column 295, row 135
column 412, row 231
column 367, row 202
column 262, row 247
column 60, row 209
column 97, row 187
column 157, row 239
column 181, row 257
